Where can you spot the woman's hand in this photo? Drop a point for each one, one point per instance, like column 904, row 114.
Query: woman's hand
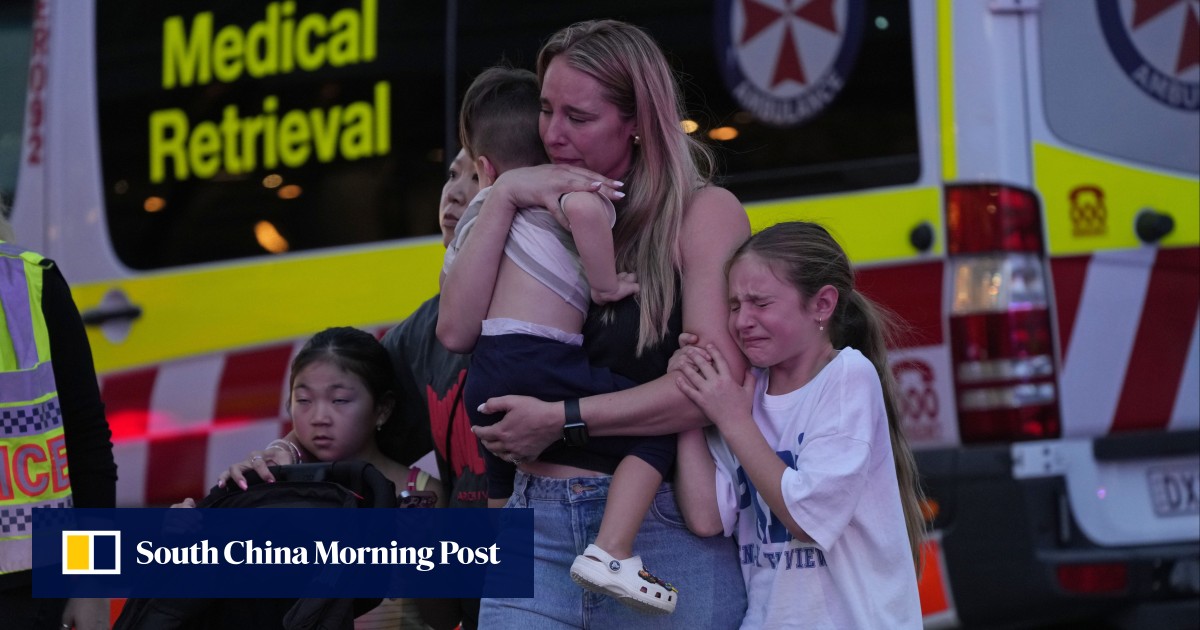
column 186, row 503
column 529, row 426
column 709, row 384
column 258, row 461
column 542, row 185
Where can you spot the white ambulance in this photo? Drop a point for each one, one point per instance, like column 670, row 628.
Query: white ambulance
column 1019, row 179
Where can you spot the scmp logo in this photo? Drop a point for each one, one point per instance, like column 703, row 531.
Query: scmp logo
column 91, row 552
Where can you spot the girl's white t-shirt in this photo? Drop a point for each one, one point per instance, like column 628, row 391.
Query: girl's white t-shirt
column 840, row 487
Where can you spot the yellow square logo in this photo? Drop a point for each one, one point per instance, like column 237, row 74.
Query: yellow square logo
column 91, row 552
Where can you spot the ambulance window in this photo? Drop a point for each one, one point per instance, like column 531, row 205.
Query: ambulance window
column 232, row 130
column 1123, row 79
column 826, row 104
column 16, row 42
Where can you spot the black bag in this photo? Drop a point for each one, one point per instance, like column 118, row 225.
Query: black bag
column 345, row 484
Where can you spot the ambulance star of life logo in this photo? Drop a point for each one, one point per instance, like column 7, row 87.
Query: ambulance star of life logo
column 786, row 60
column 1157, row 44
column 91, row 552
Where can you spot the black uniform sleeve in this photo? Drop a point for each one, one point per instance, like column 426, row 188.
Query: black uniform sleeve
column 90, row 462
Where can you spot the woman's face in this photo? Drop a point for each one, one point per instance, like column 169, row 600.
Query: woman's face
column 333, row 413
column 461, row 185
column 579, row 127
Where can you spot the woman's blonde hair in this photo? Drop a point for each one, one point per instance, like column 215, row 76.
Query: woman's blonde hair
column 807, row 256
column 668, row 165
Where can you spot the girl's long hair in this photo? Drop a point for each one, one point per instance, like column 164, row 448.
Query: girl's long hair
column 808, row 257
column 668, row 165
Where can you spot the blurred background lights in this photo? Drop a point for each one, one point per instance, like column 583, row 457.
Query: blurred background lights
column 154, row 204
column 723, row 133
column 291, row 191
column 269, row 238
column 689, row 126
column 272, row 181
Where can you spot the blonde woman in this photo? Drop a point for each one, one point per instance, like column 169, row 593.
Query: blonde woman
column 610, row 121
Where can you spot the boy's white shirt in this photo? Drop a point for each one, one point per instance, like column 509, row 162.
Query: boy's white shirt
column 840, row 487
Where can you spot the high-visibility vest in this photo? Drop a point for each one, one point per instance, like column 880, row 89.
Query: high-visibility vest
column 33, row 452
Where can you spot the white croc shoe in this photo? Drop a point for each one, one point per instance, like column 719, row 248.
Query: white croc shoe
column 625, row 580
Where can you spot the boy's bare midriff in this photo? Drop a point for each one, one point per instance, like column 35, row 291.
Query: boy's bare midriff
column 520, row 296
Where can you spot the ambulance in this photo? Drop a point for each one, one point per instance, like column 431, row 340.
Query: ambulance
column 1019, row 180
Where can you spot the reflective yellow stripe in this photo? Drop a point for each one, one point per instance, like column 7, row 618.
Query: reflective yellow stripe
column 262, row 301
column 945, row 39
column 872, row 227
column 1126, row 191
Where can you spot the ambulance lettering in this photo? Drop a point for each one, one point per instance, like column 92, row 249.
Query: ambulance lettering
column 1157, row 44
column 783, row 63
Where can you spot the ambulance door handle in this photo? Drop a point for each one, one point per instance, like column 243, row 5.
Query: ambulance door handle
column 113, row 316
column 1152, row 226
column 99, row 316
column 921, row 237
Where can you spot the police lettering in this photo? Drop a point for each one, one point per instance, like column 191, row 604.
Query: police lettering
column 33, row 468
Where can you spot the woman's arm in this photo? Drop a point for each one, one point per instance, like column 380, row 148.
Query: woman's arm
column 713, row 227
column 695, row 484
column 470, row 281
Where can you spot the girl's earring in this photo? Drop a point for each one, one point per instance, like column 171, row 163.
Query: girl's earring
column 379, row 427
column 820, row 324
column 637, row 139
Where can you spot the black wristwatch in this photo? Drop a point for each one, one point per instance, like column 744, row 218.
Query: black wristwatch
column 574, row 430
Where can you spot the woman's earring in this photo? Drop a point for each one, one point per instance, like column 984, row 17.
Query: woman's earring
column 379, row 427
column 637, row 139
column 820, row 324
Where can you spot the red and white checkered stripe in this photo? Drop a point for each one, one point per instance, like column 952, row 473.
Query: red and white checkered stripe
column 177, row 425
column 1130, row 334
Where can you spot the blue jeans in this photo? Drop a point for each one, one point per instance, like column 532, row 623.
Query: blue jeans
column 566, row 519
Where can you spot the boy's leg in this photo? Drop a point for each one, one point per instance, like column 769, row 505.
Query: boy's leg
column 634, row 485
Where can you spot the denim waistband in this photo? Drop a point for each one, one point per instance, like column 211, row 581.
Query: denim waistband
column 569, row 490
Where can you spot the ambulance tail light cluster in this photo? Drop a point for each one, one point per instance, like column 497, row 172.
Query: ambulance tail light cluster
column 1001, row 341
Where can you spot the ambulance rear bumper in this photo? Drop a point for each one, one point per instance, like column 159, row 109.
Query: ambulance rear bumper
column 1014, row 549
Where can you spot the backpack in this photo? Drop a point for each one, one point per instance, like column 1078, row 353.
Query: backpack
column 343, row 484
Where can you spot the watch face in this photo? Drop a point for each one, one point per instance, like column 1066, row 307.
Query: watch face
column 576, row 434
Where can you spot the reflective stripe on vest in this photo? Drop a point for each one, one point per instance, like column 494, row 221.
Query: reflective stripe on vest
column 33, row 452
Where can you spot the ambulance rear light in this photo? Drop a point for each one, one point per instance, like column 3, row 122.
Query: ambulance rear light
column 1000, row 329
column 992, row 218
column 1108, row 578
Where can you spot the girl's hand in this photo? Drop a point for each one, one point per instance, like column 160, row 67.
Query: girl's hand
column 528, row 428
column 258, row 462
column 186, row 503
column 710, row 385
column 679, row 360
column 542, row 185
